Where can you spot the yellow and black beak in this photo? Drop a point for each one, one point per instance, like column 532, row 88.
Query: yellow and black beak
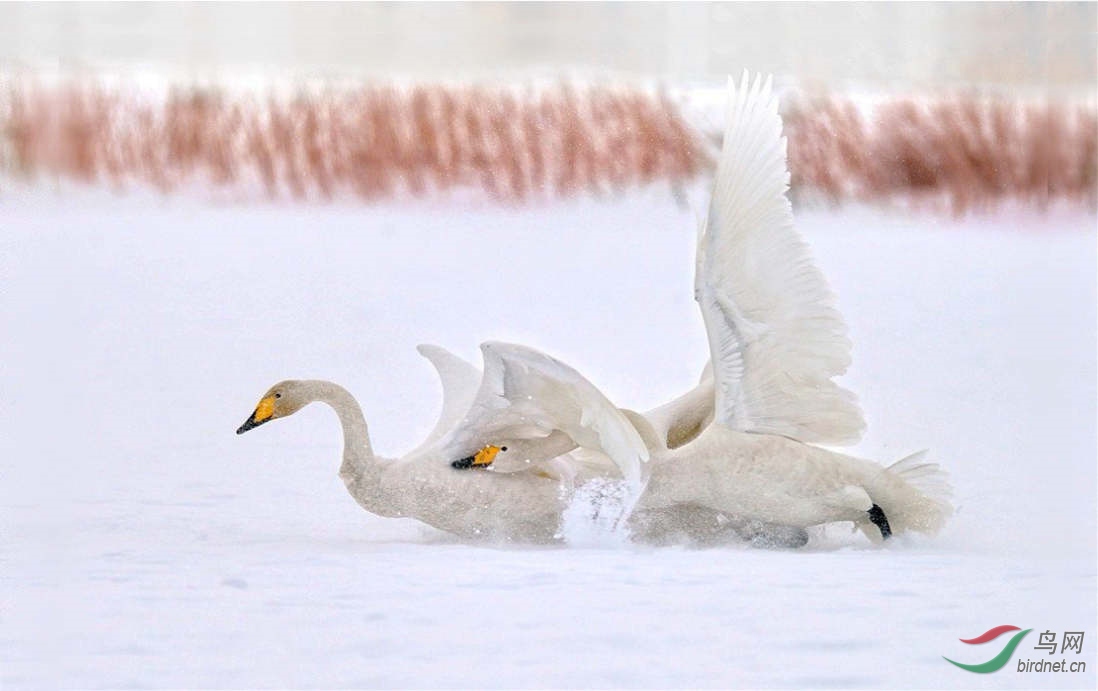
column 481, row 459
column 264, row 412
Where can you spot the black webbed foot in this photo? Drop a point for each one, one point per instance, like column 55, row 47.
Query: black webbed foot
column 877, row 516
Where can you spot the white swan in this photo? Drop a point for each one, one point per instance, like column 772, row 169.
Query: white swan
column 525, row 507
column 519, row 507
column 776, row 343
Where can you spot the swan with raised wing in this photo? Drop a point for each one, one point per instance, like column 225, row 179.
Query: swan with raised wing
column 519, row 507
column 776, row 343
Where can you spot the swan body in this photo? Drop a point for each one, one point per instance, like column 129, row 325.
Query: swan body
column 742, row 442
column 752, row 483
column 524, row 508
column 784, row 482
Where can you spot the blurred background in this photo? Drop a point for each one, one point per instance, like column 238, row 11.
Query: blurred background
column 957, row 105
column 1019, row 45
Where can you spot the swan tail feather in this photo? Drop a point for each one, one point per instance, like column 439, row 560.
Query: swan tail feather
column 914, row 494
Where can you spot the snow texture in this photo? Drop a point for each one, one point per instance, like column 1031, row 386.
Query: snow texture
column 144, row 544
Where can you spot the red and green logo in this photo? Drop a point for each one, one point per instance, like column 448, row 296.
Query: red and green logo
column 999, row 661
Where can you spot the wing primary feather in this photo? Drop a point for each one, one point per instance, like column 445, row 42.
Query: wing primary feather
column 776, row 339
column 527, row 395
column 460, row 381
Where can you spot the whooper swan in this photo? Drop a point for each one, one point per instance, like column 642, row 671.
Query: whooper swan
column 776, row 343
column 519, row 507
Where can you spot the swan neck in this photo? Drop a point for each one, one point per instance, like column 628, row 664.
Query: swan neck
column 644, row 428
column 358, row 454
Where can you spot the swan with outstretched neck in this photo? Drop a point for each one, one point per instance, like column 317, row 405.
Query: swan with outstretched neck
column 524, row 508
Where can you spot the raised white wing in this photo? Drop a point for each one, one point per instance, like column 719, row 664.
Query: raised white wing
column 541, row 408
column 775, row 336
column 460, row 381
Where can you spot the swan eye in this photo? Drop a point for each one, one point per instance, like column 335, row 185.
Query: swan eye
column 278, row 395
column 503, row 448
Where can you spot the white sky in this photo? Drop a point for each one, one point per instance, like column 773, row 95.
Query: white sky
column 1012, row 45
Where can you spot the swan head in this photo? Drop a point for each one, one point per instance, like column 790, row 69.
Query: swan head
column 282, row 399
column 512, row 455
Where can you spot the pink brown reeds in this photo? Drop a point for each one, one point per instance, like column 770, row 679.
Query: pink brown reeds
column 373, row 142
column 966, row 153
column 524, row 143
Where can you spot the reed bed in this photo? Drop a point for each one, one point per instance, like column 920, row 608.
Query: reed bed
column 517, row 144
column 963, row 153
column 371, row 142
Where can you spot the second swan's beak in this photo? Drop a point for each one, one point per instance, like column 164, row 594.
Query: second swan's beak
column 264, row 412
column 481, row 459
column 249, row 424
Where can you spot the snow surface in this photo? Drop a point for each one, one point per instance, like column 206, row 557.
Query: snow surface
column 144, row 544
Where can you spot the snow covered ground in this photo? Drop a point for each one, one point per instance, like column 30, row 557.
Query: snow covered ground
column 144, row 544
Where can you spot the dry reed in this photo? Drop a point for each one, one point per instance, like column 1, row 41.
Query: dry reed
column 964, row 153
column 518, row 144
column 373, row 142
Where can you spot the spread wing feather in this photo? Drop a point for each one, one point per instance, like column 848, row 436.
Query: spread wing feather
column 775, row 336
column 460, row 381
column 526, row 395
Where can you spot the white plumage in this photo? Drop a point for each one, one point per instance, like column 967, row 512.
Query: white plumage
column 775, row 336
column 460, row 381
column 776, row 344
column 526, row 396
column 737, row 448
